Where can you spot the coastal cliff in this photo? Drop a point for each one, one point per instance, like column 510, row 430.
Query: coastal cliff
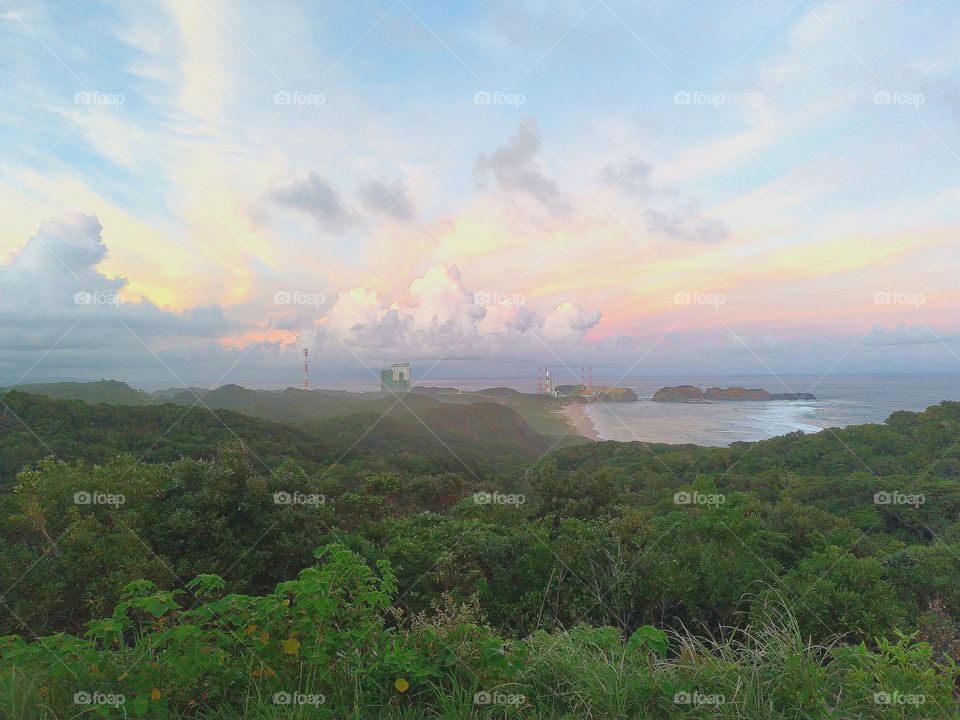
column 680, row 393
column 691, row 393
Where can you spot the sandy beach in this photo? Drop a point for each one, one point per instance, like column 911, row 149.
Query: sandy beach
column 576, row 415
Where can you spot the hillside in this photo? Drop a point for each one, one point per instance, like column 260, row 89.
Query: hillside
column 111, row 392
column 480, row 438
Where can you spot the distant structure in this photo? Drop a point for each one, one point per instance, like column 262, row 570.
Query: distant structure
column 300, row 340
column 586, row 383
column 396, row 378
column 545, row 383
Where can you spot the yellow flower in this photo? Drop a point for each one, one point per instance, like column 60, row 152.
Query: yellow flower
column 155, row 694
column 402, row 685
column 291, row 646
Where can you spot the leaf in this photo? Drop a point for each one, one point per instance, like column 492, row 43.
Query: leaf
column 647, row 635
column 140, row 705
column 402, row 685
column 291, row 646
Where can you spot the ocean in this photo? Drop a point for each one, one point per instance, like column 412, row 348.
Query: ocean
column 841, row 400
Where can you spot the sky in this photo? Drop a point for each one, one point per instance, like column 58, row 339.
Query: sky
column 192, row 191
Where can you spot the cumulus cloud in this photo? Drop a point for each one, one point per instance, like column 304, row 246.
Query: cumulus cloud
column 438, row 315
column 569, row 320
column 316, row 196
column 52, row 295
column 514, row 168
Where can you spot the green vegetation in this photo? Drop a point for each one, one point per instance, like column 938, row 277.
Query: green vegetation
column 415, row 435
column 799, row 577
column 299, row 407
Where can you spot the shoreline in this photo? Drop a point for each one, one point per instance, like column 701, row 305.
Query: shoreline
column 577, row 417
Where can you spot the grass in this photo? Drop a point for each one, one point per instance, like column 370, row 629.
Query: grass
column 767, row 672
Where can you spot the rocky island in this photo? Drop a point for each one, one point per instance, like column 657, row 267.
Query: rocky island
column 691, row 393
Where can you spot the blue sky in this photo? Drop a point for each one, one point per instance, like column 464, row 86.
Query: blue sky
column 651, row 186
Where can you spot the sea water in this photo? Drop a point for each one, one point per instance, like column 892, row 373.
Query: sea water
column 841, row 400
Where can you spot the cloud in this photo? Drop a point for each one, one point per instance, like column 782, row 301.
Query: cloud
column 315, row 195
column 631, row 176
column 437, row 315
column 53, row 297
column 390, row 200
column 514, row 168
column 569, row 320
column 686, row 223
